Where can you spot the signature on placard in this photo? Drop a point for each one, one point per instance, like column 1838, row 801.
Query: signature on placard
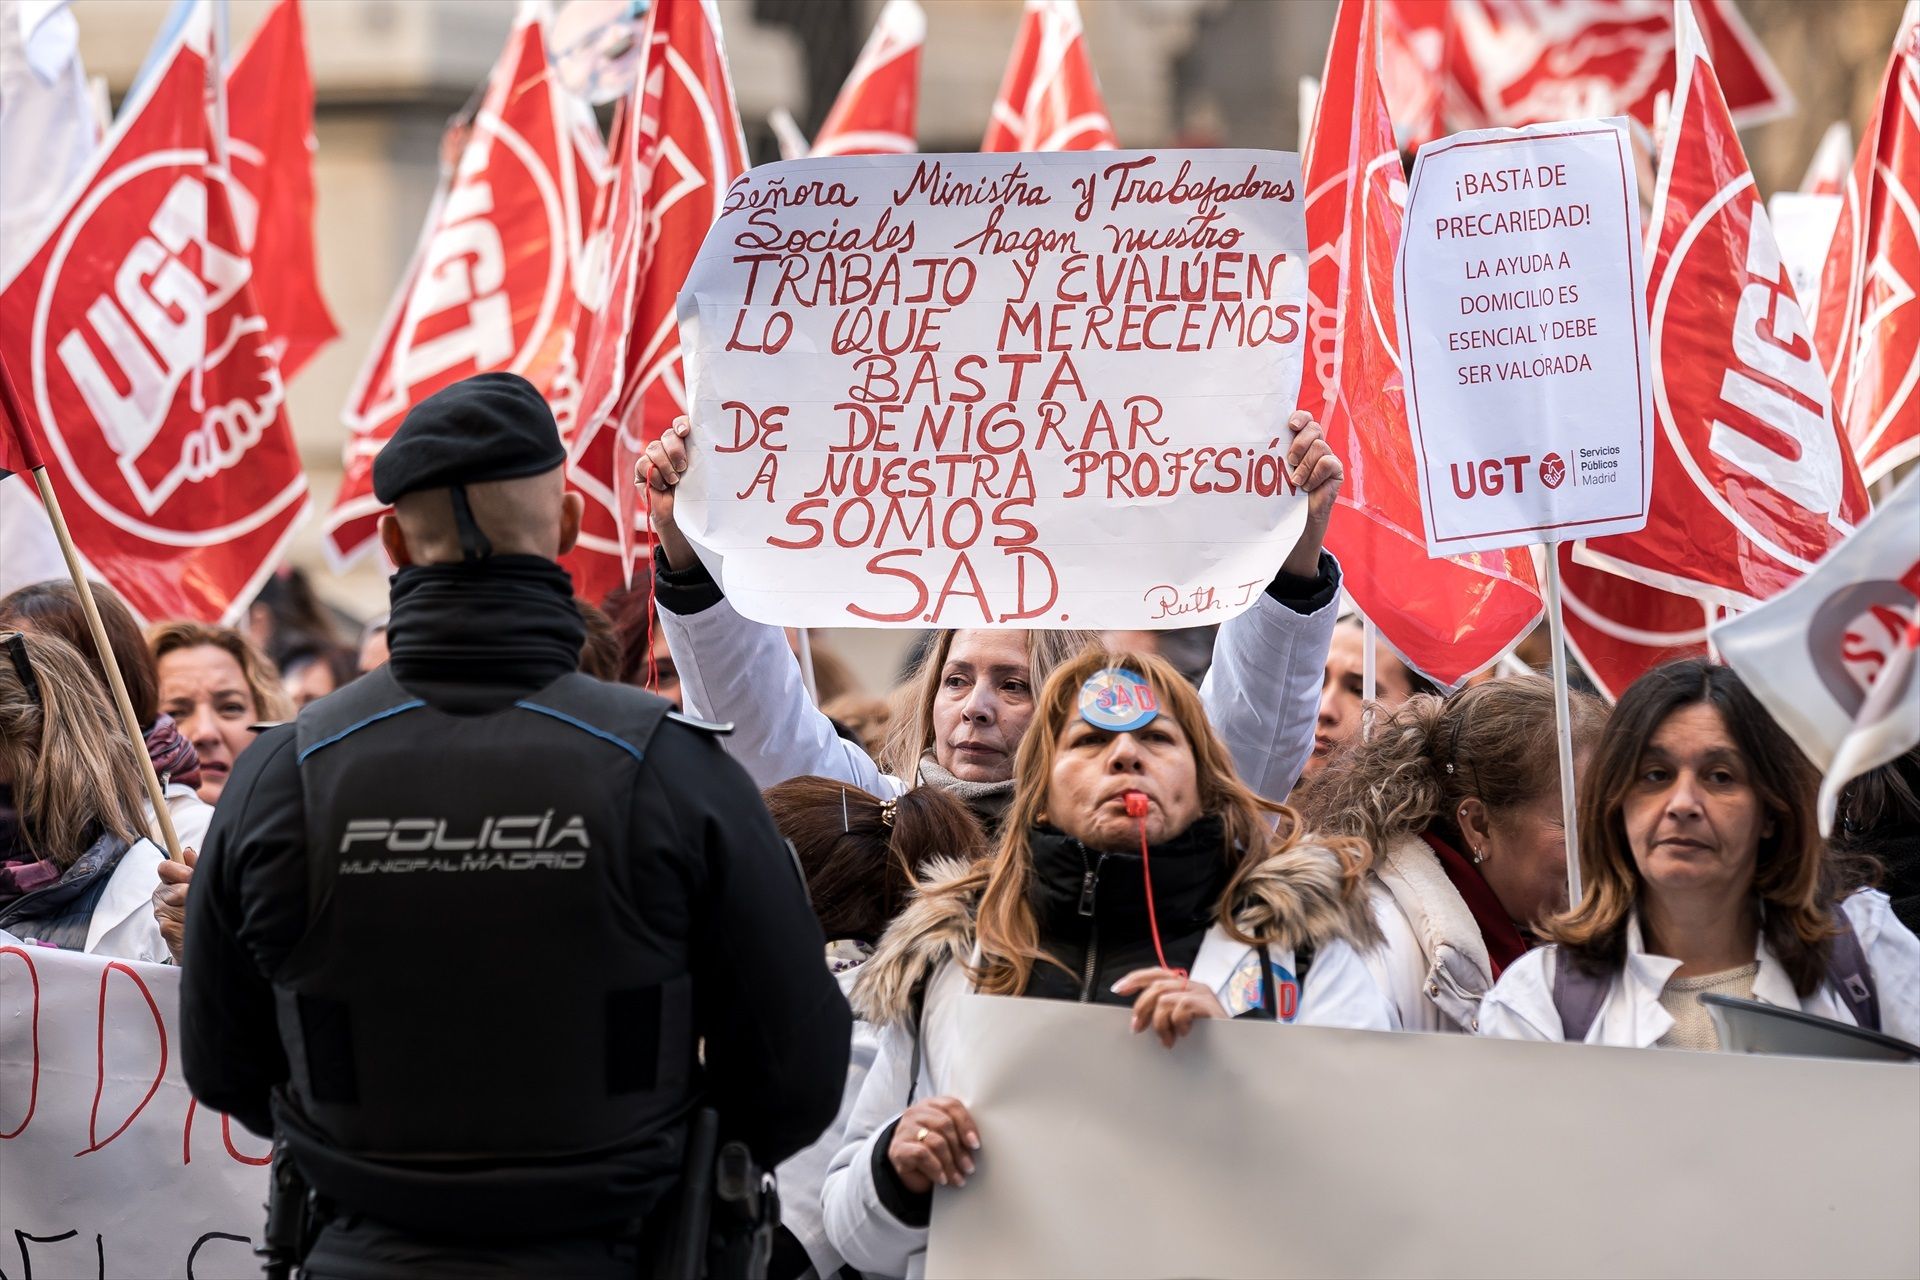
column 1171, row 602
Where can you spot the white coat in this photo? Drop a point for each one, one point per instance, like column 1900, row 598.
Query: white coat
column 1261, row 694
column 123, row 924
column 1338, row 992
column 802, row 1174
column 191, row 815
column 1432, row 963
column 1520, row 1006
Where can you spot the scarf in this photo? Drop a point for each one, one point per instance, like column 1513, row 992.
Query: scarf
column 21, row 869
column 1505, row 942
column 483, row 631
column 988, row 800
column 174, row 758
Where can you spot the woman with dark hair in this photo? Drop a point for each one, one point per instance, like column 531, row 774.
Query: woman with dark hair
column 1458, row 802
column 1134, row 868
column 862, row 858
column 1704, row 872
column 54, row 609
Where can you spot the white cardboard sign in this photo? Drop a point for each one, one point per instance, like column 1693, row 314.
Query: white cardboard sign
column 1523, row 325
column 107, row 1166
column 1260, row 1150
column 1035, row 390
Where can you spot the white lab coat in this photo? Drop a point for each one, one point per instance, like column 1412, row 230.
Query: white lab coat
column 802, row 1174
column 191, row 815
column 1520, row 1006
column 1262, row 695
column 1338, row 992
column 123, row 924
column 1432, row 963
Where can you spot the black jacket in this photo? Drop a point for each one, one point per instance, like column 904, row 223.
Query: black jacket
column 473, row 639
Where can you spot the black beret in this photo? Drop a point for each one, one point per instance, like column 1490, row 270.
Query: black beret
column 492, row 426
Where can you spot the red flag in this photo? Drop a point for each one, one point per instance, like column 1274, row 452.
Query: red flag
column 697, row 150
column 875, row 112
column 19, row 451
column 1752, row 479
column 143, row 362
column 1514, row 62
column 491, row 285
column 1050, row 98
column 1868, row 326
column 270, row 147
column 1620, row 629
column 1413, row 49
column 1450, row 617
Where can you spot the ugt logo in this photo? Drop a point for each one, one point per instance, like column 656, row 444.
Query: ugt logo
column 1491, row 476
column 1553, row 469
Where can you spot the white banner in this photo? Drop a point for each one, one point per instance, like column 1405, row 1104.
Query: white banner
column 998, row 390
column 1523, row 325
column 1259, row 1150
column 111, row 1170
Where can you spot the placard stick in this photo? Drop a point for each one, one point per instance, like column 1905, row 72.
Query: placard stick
column 155, row 792
column 1557, row 629
column 1369, row 675
column 806, row 666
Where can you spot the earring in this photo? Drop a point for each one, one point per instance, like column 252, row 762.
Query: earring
column 1478, row 856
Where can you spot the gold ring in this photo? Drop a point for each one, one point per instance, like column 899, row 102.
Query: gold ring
column 922, row 1135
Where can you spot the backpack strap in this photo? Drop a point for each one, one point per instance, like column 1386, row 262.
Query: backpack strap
column 1850, row 974
column 1577, row 995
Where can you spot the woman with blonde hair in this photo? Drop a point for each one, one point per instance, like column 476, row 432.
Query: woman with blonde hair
column 216, row 686
column 76, row 869
column 1703, row 872
column 1457, row 800
column 974, row 691
column 1134, row 868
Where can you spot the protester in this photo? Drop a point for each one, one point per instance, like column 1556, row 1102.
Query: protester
column 1084, row 901
column 864, row 718
column 216, row 686
column 466, row 1097
column 1343, row 699
column 975, row 689
column 311, row 672
column 53, row 608
column 1879, row 818
column 1703, row 872
column 76, row 870
column 600, row 651
column 645, row 660
column 1457, row 800
column 862, row 857
column 373, row 645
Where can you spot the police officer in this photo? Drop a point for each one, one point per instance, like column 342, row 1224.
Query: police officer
column 476, row 934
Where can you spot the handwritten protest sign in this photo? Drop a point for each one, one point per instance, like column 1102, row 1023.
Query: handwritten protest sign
column 997, row 390
column 1524, row 329
column 110, row 1167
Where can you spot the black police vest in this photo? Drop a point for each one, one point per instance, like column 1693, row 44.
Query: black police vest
column 476, row 978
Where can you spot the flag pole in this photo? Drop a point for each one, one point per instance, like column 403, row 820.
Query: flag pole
column 1557, row 630
column 11, row 406
column 806, row 665
column 1369, row 675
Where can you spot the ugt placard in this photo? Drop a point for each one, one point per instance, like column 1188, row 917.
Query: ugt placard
column 1038, row 390
column 1523, row 325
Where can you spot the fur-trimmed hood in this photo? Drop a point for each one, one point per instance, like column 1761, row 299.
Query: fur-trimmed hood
column 1297, row 897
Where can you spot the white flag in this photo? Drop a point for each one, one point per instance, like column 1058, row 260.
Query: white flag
column 1832, row 657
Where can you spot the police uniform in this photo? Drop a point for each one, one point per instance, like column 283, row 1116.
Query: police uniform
column 476, row 934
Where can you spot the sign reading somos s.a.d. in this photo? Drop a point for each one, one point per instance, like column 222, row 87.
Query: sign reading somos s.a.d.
column 1523, row 329
column 1037, row 390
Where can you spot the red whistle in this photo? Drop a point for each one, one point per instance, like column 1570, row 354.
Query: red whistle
column 1136, row 804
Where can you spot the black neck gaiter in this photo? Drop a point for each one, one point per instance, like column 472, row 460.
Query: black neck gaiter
column 472, row 637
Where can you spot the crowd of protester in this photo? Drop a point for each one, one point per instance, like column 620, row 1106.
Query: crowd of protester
column 1272, row 846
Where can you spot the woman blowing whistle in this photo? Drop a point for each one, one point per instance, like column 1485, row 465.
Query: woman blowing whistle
column 1133, row 868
